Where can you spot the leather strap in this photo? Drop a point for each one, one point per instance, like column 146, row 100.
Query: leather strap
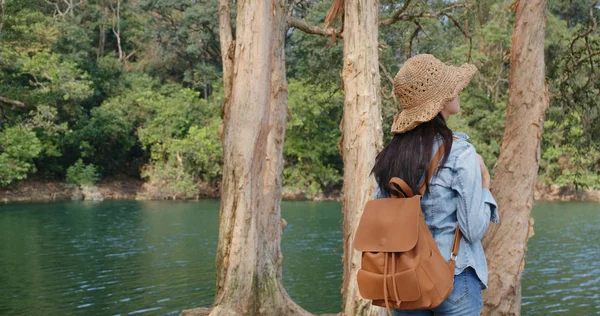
column 396, row 182
column 394, row 285
column 385, row 289
column 434, row 163
column 455, row 244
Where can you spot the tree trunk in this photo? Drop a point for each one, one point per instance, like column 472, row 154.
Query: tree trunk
column 248, row 255
column 361, row 135
column 227, row 54
column 2, row 15
column 14, row 103
column 517, row 167
column 116, row 25
column 102, row 32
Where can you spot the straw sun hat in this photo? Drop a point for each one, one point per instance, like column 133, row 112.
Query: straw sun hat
column 424, row 85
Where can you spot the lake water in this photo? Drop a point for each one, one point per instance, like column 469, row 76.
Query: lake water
column 157, row 257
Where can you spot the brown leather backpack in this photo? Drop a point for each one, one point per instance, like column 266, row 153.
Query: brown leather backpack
column 401, row 265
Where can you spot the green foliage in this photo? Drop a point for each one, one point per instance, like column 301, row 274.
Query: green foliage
column 156, row 112
column 82, row 174
column 572, row 84
column 201, row 151
column 107, row 139
column 18, row 148
column 571, row 155
column 172, row 123
column 311, row 58
column 187, row 162
column 184, row 42
column 312, row 160
column 51, row 76
column 564, row 162
column 170, row 179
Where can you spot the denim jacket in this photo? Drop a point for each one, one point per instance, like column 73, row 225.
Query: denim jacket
column 456, row 195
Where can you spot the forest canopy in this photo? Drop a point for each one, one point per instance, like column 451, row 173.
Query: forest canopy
column 95, row 89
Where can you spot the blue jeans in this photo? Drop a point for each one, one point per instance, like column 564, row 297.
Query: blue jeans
column 465, row 299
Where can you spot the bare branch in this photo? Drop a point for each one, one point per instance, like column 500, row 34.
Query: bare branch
column 412, row 38
column 589, row 50
column 14, row 103
column 584, row 58
column 587, row 40
column 116, row 25
column 396, row 15
column 389, row 78
column 407, row 16
column 464, row 33
column 57, row 11
column 301, row 25
column 69, row 7
column 587, row 32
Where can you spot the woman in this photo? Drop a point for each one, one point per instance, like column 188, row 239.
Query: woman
column 459, row 189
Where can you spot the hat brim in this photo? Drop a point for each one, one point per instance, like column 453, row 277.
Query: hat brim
column 456, row 79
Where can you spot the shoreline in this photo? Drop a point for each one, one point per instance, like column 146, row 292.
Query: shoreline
column 123, row 188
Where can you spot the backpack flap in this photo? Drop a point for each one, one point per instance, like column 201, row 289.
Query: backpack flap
column 389, row 225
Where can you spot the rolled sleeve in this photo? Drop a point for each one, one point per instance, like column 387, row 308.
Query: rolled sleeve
column 476, row 205
column 489, row 200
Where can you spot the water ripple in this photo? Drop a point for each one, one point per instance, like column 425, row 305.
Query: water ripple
column 157, row 258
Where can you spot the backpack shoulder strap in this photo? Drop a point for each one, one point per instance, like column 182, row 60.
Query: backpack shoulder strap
column 434, row 163
column 404, row 190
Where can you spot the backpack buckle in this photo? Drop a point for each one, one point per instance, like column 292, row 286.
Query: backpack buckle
column 453, row 256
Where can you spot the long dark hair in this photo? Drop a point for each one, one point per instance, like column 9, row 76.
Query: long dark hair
column 409, row 154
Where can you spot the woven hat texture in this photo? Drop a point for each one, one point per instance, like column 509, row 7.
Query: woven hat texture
column 424, row 85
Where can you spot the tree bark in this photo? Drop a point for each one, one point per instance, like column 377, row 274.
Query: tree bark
column 248, row 255
column 116, row 21
column 517, row 167
column 361, row 135
column 227, row 53
column 311, row 29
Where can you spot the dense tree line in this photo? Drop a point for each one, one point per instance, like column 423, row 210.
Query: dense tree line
column 93, row 89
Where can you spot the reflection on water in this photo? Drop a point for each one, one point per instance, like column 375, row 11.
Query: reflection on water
column 114, row 257
column 157, row 257
column 562, row 266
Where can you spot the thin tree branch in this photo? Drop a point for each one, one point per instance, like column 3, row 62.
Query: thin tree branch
column 129, row 55
column 407, row 16
column 117, row 31
column 587, row 32
column 587, row 40
column 310, row 29
column 57, row 11
column 396, row 16
column 589, row 50
column 589, row 56
column 389, row 78
column 412, row 38
column 14, row 103
column 70, row 7
column 464, row 33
